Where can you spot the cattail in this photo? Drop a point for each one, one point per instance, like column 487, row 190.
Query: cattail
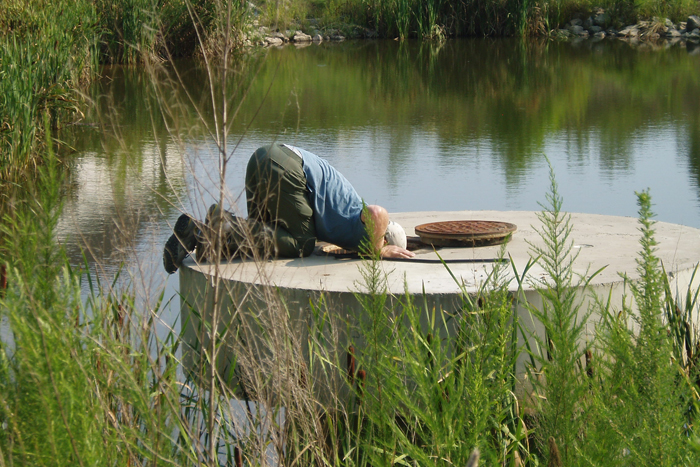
column 589, row 363
column 3, row 279
column 554, row 457
column 238, row 459
column 120, row 315
column 351, row 365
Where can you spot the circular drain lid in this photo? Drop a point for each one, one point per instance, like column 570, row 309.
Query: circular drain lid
column 465, row 233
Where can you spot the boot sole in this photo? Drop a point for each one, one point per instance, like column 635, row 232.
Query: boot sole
column 171, row 252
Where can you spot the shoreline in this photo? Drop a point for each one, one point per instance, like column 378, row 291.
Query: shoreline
column 595, row 27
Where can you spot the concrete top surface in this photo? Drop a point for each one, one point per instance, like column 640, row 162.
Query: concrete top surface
column 601, row 242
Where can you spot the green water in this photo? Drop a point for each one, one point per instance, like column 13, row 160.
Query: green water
column 414, row 126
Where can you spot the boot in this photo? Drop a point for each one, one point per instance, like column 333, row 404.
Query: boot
column 180, row 244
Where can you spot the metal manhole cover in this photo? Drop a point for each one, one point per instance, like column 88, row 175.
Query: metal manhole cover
column 465, row 233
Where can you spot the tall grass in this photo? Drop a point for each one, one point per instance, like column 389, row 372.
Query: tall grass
column 642, row 392
column 560, row 385
column 434, row 387
column 46, row 51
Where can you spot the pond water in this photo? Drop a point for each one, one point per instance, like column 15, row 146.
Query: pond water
column 468, row 124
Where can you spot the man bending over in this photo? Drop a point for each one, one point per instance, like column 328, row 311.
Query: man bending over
column 294, row 198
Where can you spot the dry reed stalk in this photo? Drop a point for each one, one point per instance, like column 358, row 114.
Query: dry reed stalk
column 554, row 456
column 351, row 365
column 473, row 460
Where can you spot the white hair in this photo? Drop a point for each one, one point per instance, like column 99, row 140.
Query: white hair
column 395, row 235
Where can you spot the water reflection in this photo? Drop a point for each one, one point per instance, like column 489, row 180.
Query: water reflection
column 461, row 125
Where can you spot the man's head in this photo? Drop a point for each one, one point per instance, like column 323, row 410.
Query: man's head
column 395, row 235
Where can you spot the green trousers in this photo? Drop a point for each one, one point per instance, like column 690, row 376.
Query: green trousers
column 276, row 195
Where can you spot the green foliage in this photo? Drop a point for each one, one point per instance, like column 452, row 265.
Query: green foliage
column 642, row 378
column 556, row 373
column 676, row 10
column 47, row 400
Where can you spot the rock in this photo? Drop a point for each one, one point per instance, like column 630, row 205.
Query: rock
column 576, row 22
column 612, row 32
column 595, row 29
column 577, row 30
column 599, row 35
column 629, row 31
column 673, row 33
column 669, row 24
column 337, row 37
column 601, row 19
column 317, row 38
column 692, row 23
column 280, row 36
column 562, row 33
column 588, row 23
column 301, row 37
column 273, row 41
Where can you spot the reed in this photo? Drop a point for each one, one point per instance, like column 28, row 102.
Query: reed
column 555, row 371
column 439, row 386
column 47, row 51
column 435, row 18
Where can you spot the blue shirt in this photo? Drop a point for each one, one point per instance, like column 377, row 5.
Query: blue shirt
column 337, row 206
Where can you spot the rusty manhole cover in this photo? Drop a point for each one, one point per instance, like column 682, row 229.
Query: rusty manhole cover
column 465, row 233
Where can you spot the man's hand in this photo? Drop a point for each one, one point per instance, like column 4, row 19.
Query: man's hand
column 393, row 251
